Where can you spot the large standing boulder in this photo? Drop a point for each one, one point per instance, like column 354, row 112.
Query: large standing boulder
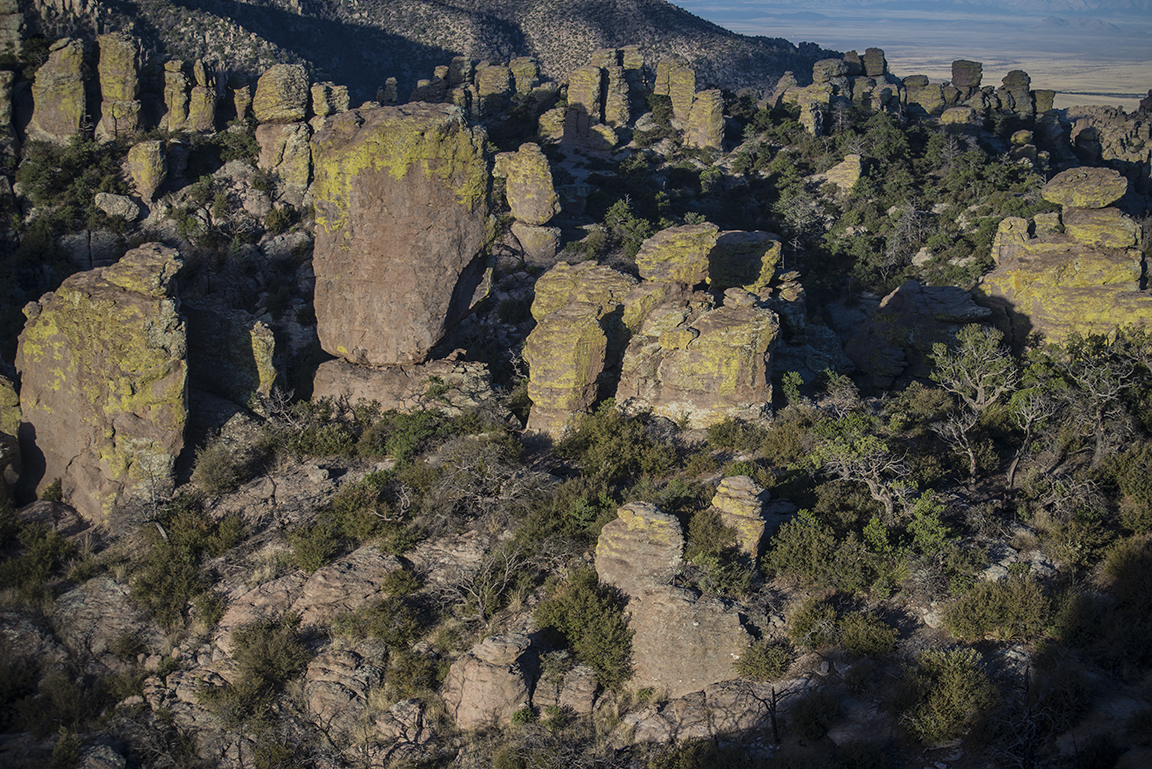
column 285, row 150
column 282, row 95
column 488, row 684
column 402, row 224
column 58, row 94
column 642, row 547
column 1085, row 188
column 740, row 502
column 118, row 67
column 147, row 166
column 678, row 254
column 706, row 121
column 565, row 355
column 742, row 259
column 102, row 366
column 529, row 189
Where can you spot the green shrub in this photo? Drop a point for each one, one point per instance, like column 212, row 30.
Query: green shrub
column 866, row 635
column 53, row 492
column 43, row 552
column 410, row 675
column 314, row 546
column 809, row 552
column 269, row 651
column 764, row 660
column 1129, row 564
column 812, row 714
column 66, row 752
column 614, row 447
column 712, row 548
column 393, row 620
column 1014, row 608
column 735, row 435
column 813, row 624
column 590, row 618
column 217, row 469
column 945, row 694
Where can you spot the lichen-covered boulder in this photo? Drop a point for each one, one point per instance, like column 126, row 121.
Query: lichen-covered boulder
column 706, row 121
column 401, row 228
column 118, row 65
column 491, row 682
column 584, row 282
column 617, row 97
column 285, row 148
column 966, row 74
column 529, row 189
column 701, row 364
column 540, row 244
column 175, row 96
column 875, row 65
column 103, row 368
column 741, row 502
column 678, row 254
column 282, row 95
column 681, row 88
column 147, row 167
column 846, row 173
column 1085, row 188
column 1101, row 227
column 642, row 547
column 58, row 94
column 329, row 99
column 565, row 355
column 453, row 387
column 525, row 74
column 743, row 259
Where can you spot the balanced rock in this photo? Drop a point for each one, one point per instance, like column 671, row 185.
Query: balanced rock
column 58, row 94
column 281, row 95
column 1085, row 188
column 875, row 65
column 741, row 502
column 102, row 364
column 642, row 547
column 491, row 682
column 148, row 167
column 565, row 355
column 402, row 222
column 966, row 75
column 529, row 189
column 119, row 62
column 595, row 284
column 678, row 254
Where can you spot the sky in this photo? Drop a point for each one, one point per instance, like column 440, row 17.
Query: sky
column 1101, row 56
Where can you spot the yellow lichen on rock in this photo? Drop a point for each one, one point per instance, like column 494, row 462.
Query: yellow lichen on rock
column 529, row 189
column 678, row 254
column 565, row 355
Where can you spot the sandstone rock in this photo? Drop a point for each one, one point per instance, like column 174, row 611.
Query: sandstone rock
column 641, row 548
column 1085, row 188
column 584, row 282
column 845, row 174
column 565, row 355
column 701, row 364
column 682, row 91
column 202, row 109
column 529, row 189
column 525, row 74
column 402, row 222
column 58, row 94
column 230, row 353
column 348, row 583
column 728, row 707
column 102, row 361
column 148, row 167
column 118, row 119
column 329, row 99
column 488, row 684
column 678, row 254
column 336, row 687
column 706, row 121
column 825, row 70
column 405, row 388
column 285, row 149
column 117, row 205
column 585, row 86
column 119, row 61
column 617, row 97
column 741, row 502
column 282, row 95
column 540, row 244
column 897, row 339
column 578, row 691
column 742, row 259
column 1101, row 228
column 682, row 642
column 875, row 65
column 271, row 599
column 176, row 86
column 959, row 116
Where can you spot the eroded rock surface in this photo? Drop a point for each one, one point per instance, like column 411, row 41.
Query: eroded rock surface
column 402, row 220
column 103, row 367
column 488, row 684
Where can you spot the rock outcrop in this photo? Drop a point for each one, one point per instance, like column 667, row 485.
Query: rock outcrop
column 1087, row 279
column 58, row 94
column 147, row 166
column 451, row 386
column 230, row 353
column 682, row 641
column 402, row 222
column 119, row 62
column 565, row 354
column 488, row 684
column 741, row 502
column 103, row 367
column 282, row 94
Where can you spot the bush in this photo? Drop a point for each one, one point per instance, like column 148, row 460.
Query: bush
column 615, row 448
column 392, row 620
column 813, row 714
column 866, row 635
column 53, row 492
column 813, row 624
column 1015, row 608
column 217, row 469
column 712, row 548
column 764, row 660
column 314, row 546
column 1129, row 564
column 590, row 618
column 945, row 694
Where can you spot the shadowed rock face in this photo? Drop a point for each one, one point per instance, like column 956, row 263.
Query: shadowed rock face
column 402, row 221
column 103, row 368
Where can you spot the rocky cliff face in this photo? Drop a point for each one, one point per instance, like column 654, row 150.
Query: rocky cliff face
column 103, row 375
column 402, row 221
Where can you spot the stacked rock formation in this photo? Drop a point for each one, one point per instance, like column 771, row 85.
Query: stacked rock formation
column 402, row 228
column 670, row 348
column 838, row 83
column 1086, row 279
column 102, row 362
column 681, row 642
column 491, row 682
column 532, row 198
column 1110, row 136
column 120, row 106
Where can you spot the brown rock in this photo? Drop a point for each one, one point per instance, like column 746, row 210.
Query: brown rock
column 402, row 222
column 467, row 385
column 336, row 687
column 490, row 683
column 741, row 502
column 102, row 361
column 58, row 94
column 349, row 583
column 565, row 355
column 285, row 149
column 147, row 166
column 91, row 618
column 678, row 254
column 271, row 599
column 642, row 547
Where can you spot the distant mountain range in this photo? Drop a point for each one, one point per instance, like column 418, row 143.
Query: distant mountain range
column 360, row 43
